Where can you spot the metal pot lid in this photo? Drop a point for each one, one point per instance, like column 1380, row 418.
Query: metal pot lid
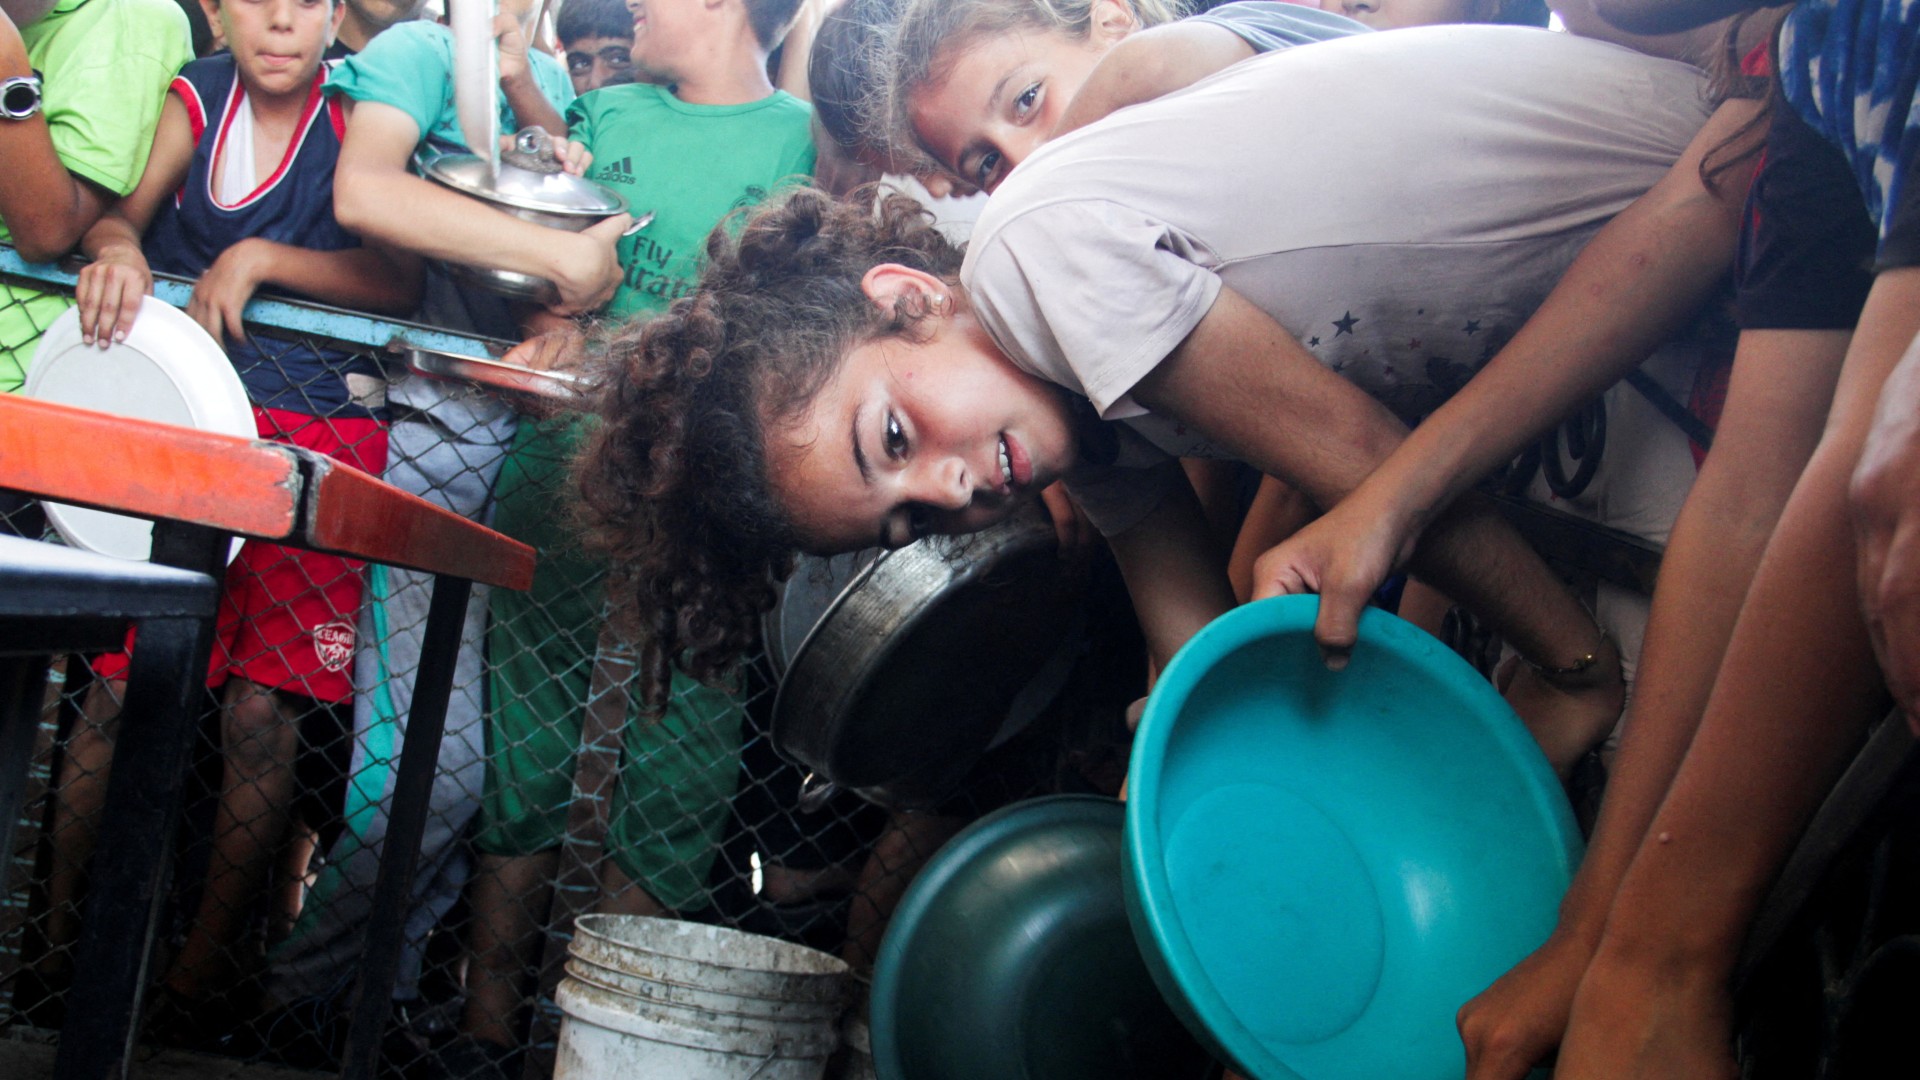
column 552, row 193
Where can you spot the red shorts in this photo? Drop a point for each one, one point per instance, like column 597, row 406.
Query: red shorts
column 287, row 616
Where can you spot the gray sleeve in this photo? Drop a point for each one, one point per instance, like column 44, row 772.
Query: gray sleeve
column 1118, row 497
column 1268, row 25
column 1089, row 295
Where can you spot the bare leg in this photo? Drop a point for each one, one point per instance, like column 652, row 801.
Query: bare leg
column 259, row 738
column 509, row 897
column 295, row 878
column 1424, row 606
column 620, row 896
column 908, row 841
column 1782, row 388
column 80, row 795
column 1796, row 689
column 1277, row 512
column 1217, row 487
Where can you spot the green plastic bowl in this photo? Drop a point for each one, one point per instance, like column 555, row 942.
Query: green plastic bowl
column 1323, row 867
column 1011, row 958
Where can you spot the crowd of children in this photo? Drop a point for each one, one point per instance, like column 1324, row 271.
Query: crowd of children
column 1369, row 268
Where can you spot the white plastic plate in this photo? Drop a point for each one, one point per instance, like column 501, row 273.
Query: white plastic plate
column 169, row 370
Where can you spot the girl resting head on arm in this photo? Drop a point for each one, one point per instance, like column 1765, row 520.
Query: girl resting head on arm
column 824, row 390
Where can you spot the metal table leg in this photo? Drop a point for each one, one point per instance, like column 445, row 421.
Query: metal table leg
column 22, row 689
column 164, row 692
column 419, row 754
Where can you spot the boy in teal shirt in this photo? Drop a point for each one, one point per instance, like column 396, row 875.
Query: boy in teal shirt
column 709, row 136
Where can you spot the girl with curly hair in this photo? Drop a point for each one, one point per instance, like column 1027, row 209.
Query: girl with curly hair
column 841, row 380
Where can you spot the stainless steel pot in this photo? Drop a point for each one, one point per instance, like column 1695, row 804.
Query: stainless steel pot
column 550, row 198
column 927, row 657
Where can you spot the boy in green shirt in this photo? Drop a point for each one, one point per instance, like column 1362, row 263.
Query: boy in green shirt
column 91, row 77
column 710, row 135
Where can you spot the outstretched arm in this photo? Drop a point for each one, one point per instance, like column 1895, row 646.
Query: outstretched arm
column 1173, row 573
column 374, row 195
column 365, row 278
column 1249, row 386
column 1783, row 382
column 1634, row 285
column 111, row 286
column 1149, row 64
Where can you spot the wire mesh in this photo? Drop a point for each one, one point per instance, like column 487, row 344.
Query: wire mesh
column 551, row 797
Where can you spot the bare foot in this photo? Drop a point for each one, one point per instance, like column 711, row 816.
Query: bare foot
column 1568, row 714
column 1645, row 1022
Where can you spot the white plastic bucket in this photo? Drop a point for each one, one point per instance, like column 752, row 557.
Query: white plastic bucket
column 661, row 998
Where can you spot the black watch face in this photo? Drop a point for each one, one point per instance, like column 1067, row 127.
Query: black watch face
column 20, row 99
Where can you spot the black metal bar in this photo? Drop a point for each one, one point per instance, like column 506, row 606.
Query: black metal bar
column 23, row 681
column 165, row 688
column 419, row 754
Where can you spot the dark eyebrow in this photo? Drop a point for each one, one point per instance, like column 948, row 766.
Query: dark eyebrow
column 859, row 456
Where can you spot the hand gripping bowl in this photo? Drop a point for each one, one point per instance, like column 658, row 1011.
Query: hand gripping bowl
column 1323, row 867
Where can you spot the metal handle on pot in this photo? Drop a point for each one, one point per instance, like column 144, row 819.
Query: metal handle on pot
column 814, row 793
column 563, row 387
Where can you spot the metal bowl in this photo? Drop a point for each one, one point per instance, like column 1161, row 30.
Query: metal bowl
column 930, row 655
column 550, row 198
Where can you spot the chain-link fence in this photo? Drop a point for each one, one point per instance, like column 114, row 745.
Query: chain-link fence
column 551, row 797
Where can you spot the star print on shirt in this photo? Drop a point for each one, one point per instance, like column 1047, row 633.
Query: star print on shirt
column 1312, row 341
column 1345, row 324
column 1472, row 327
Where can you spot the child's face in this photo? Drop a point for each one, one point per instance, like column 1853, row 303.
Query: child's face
column 916, row 437
column 665, row 34
column 594, row 62
column 1000, row 100
column 277, row 43
column 1397, row 14
column 378, row 15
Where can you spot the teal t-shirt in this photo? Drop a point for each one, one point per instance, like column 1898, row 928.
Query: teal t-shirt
column 691, row 165
column 410, row 67
column 107, row 65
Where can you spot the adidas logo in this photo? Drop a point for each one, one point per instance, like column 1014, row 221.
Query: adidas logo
column 618, row 172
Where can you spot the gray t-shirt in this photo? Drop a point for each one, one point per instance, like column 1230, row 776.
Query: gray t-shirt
column 1399, row 202
column 1269, row 25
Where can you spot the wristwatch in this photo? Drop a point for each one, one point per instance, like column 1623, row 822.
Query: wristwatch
column 20, row 96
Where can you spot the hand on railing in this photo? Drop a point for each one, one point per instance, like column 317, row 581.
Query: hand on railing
column 109, row 293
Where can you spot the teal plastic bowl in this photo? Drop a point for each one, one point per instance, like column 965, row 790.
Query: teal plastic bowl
column 1011, row 958
column 1323, row 867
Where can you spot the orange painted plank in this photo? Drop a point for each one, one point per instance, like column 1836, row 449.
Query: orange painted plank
column 354, row 514
column 148, row 469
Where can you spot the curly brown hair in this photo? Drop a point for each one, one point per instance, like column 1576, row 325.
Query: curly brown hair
column 673, row 485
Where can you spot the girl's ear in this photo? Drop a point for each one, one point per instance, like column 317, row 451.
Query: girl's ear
column 339, row 15
column 1110, row 20
column 888, row 283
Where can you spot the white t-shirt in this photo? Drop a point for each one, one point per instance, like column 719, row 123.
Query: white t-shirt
column 1400, row 202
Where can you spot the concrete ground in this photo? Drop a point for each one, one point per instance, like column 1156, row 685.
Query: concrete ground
column 27, row 1054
